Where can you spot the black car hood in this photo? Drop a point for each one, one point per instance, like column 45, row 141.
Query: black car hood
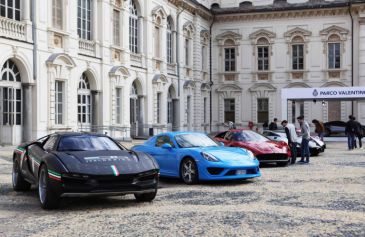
column 106, row 162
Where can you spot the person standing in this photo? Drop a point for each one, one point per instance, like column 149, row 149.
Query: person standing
column 358, row 132
column 350, row 132
column 304, row 146
column 273, row 125
column 319, row 128
column 291, row 134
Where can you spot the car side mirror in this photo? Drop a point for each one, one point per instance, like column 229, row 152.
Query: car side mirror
column 166, row 146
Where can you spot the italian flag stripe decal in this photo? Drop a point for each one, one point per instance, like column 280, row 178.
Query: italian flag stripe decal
column 54, row 175
column 115, row 170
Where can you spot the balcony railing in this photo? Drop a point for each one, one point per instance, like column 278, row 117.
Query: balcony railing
column 12, row 29
column 87, row 47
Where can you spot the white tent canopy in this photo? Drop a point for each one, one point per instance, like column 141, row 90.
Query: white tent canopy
column 321, row 93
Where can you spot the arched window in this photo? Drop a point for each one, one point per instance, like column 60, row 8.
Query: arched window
column 169, row 40
column 84, row 101
column 10, row 72
column 84, row 19
column 10, row 9
column 133, row 27
column 10, row 95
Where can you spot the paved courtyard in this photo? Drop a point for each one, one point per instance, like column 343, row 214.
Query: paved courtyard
column 324, row 198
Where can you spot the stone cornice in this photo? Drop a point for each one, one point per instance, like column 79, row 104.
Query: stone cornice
column 281, row 15
column 194, row 8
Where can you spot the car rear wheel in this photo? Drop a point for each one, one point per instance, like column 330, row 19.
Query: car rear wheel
column 145, row 197
column 47, row 198
column 19, row 183
column 189, row 171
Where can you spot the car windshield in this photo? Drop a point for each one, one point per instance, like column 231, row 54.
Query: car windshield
column 249, row 136
column 194, row 140
column 87, row 143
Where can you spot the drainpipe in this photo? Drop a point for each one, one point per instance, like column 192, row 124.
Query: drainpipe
column 352, row 53
column 177, row 50
column 34, row 38
column 210, row 75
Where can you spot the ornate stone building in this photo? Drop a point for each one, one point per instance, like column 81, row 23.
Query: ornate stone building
column 133, row 68
column 130, row 68
column 260, row 47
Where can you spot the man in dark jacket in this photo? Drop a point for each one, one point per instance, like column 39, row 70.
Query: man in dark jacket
column 350, row 132
column 273, row 125
column 358, row 132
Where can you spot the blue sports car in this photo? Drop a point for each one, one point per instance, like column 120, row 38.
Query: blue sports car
column 194, row 156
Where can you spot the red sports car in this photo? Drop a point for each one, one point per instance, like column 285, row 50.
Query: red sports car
column 265, row 150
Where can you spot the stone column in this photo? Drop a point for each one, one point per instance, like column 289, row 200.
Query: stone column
column 26, row 10
column 95, row 99
column 27, row 112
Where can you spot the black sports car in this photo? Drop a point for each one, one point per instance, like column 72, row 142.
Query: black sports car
column 77, row 164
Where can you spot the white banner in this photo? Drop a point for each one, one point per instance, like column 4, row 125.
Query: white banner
column 323, row 93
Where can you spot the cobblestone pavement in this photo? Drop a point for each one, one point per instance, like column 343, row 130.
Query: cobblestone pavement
column 324, row 198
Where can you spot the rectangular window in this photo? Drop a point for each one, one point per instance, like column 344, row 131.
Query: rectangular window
column 229, row 110
column 262, row 110
column 57, row 14
column 298, row 56
column 263, row 58
column 334, row 55
column 84, row 19
column 116, row 27
column 188, row 99
column 118, row 105
column 187, row 55
column 59, row 102
column 10, row 9
column 169, row 46
column 205, row 110
column 158, row 108
column 204, row 57
column 230, row 59
column 157, row 42
column 169, row 111
column 133, row 33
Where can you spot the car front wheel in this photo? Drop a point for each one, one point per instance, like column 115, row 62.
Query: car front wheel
column 19, row 183
column 47, row 198
column 189, row 171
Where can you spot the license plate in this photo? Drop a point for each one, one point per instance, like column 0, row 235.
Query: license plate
column 241, row 172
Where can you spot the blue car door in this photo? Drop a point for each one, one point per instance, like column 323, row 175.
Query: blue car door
column 166, row 157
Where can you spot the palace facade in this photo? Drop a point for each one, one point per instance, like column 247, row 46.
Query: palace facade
column 134, row 68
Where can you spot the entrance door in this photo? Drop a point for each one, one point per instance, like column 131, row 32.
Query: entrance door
column 297, row 110
column 84, row 104
column 134, row 116
column 10, row 119
column 229, row 110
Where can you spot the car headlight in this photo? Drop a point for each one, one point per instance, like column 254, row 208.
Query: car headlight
column 209, row 157
column 250, row 154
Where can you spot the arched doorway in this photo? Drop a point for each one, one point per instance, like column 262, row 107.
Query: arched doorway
column 172, row 110
column 135, row 111
column 10, row 104
column 84, row 104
